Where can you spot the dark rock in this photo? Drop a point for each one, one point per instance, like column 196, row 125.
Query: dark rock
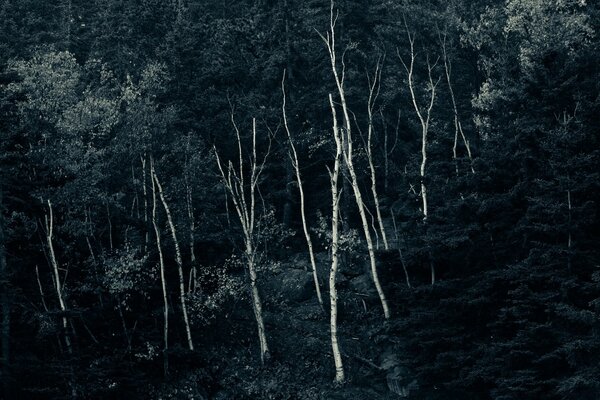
column 363, row 285
column 291, row 285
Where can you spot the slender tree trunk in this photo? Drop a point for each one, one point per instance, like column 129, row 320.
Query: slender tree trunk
column 348, row 152
column 178, row 257
column 373, row 94
column 57, row 281
column 162, row 281
column 335, row 213
column 424, row 119
column 296, row 165
column 457, row 124
column 234, row 182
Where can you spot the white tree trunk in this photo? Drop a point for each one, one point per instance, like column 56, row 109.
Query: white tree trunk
column 296, row 165
column 49, row 219
column 162, row 280
column 373, row 93
column 178, row 258
column 457, row 124
column 347, row 153
column 233, row 181
column 335, row 213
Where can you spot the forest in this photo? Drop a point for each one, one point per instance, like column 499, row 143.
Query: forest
column 325, row 199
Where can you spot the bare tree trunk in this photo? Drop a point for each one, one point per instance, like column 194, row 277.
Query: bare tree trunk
column 348, row 152
column 335, row 214
column 162, row 281
column 233, row 181
column 373, row 94
column 424, row 119
column 457, row 124
column 49, row 219
column 296, row 165
column 178, row 257
column 190, row 211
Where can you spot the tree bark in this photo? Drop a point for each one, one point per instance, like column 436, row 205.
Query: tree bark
column 335, row 213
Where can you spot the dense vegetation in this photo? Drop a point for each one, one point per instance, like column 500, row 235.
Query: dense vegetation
column 471, row 129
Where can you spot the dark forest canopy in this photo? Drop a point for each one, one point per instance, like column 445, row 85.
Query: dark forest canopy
column 400, row 197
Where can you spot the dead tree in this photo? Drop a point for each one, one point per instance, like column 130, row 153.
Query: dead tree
column 244, row 199
column 347, row 152
column 296, row 166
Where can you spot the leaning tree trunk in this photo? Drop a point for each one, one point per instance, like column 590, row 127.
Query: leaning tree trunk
column 57, row 282
column 347, row 153
column 178, row 257
column 373, row 94
column 163, row 282
column 296, row 165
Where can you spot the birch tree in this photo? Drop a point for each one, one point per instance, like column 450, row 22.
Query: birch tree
column 335, row 215
column 244, row 200
column 178, row 257
column 457, row 123
column 49, row 225
column 163, row 281
column 424, row 117
column 296, row 166
column 347, row 150
column 374, row 87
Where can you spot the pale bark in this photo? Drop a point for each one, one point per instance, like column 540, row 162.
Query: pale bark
column 233, row 180
column 49, row 219
column 348, row 152
column 163, row 281
column 335, row 213
column 192, row 227
column 296, row 165
column 457, row 124
column 374, row 87
column 178, row 257
column 424, row 117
